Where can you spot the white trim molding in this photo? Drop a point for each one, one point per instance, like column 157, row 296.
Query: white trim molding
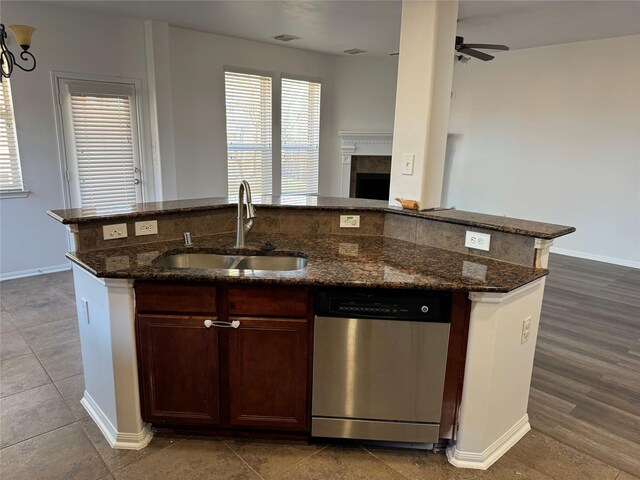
column 125, row 441
column 35, row 271
column 482, row 461
column 361, row 143
column 598, row 258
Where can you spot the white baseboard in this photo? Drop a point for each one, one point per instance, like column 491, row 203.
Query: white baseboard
column 121, row 440
column 598, row 258
column 35, row 271
column 483, row 460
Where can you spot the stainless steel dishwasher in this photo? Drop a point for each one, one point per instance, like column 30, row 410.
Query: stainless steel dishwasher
column 379, row 364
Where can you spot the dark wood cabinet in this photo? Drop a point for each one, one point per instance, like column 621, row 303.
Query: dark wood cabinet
column 268, row 373
column 253, row 377
column 179, row 369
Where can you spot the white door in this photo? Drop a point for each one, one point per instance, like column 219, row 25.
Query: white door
column 102, row 146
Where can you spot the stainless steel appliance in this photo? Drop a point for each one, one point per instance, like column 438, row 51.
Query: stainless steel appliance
column 379, row 364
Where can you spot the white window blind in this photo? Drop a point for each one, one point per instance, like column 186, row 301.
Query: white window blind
column 300, row 136
column 249, row 149
column 105, row 155
column 10, row 173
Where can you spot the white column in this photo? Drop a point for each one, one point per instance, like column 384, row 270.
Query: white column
column 107, row 338
column 495, row 393
column 161, row 108
column 425, row 73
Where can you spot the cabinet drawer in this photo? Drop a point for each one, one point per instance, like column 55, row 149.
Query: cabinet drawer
column 261, row 301
column 175, row 298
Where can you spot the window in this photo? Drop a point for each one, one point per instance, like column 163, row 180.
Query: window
column 249, row 148
column 102, row 144
column 300, row 136
column 10, row 172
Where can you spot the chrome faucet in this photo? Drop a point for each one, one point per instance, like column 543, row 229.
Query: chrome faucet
column 243, row 229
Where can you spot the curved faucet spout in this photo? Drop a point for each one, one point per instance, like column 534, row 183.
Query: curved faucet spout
column 243, row 228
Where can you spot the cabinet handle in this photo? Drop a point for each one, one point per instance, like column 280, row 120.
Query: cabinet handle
column 221, row 324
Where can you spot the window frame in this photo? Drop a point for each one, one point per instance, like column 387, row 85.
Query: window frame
column 22, row 191
column 261, row 73
column 309, row 79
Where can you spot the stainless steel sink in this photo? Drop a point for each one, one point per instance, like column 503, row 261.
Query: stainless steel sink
column 231, row 262
column 257, row 262
column 196, row 260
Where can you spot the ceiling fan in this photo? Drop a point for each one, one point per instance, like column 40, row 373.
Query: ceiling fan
column 470, row 49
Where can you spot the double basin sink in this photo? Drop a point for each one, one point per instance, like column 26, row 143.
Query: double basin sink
column 232, row 262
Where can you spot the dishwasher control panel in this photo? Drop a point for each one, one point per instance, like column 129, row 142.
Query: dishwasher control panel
column 393, row 305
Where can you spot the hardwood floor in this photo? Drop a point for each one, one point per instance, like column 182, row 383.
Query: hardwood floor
column 585, row 389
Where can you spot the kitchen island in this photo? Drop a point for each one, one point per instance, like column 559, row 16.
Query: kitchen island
column 496, row 299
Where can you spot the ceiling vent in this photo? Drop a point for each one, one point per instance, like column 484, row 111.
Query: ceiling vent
column 285, row 37
column 355, row 51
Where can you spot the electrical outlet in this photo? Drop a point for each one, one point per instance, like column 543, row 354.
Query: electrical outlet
column 147, row 228
column 85, row 310
column 111, row 232
column 479, row 241
column 407, row 163
column 526, row 329
column 349, row 221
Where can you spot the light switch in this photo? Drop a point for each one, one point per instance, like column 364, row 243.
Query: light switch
column 407, row 163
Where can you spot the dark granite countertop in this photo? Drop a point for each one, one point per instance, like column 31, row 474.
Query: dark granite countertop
column 356, row 261
column 491, row 222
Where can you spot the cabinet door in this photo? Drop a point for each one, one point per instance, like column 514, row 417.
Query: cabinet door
column 179, row 369
column 268, row 373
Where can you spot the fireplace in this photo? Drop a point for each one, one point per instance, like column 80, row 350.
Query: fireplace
column 368, row 154
column 373, row 185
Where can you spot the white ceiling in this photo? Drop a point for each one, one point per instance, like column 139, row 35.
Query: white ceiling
column 335, row 26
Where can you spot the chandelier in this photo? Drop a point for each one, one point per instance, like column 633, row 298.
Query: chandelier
column 22, row 33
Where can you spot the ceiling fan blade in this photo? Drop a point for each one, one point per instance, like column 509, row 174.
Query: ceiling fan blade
column 486, row 46
column 476, row 54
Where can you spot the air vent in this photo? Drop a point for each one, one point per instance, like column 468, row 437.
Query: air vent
column 285, row 37
column 355, row 51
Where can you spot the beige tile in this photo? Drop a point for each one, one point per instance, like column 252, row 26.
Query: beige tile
column 23, row 290
column 65, row 453
column 6, row 323
column 12, row 345
column 43, row 310
column 21, row 373
column 72, row 390
column 190, row 459
column 116, row 459
column 400, row 227
column 62, row 361
column 34, row 412
column 626, row 476
column 348, row 463
column 414, row 464
column 559, row 461
column 270, row 458
column 52, row 334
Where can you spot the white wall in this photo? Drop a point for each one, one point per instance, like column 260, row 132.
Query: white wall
column 553, row 134
column 67, row 40
column 365, row 98
column 197, row 65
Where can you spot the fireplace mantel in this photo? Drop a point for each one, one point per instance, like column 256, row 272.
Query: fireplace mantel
column 361, row 143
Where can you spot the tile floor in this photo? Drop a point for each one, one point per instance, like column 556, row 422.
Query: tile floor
column 46, row 434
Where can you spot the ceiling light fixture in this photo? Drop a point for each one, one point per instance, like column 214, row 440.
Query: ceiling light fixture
column 8, row 60
column 355, row 51
column 286, row 37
